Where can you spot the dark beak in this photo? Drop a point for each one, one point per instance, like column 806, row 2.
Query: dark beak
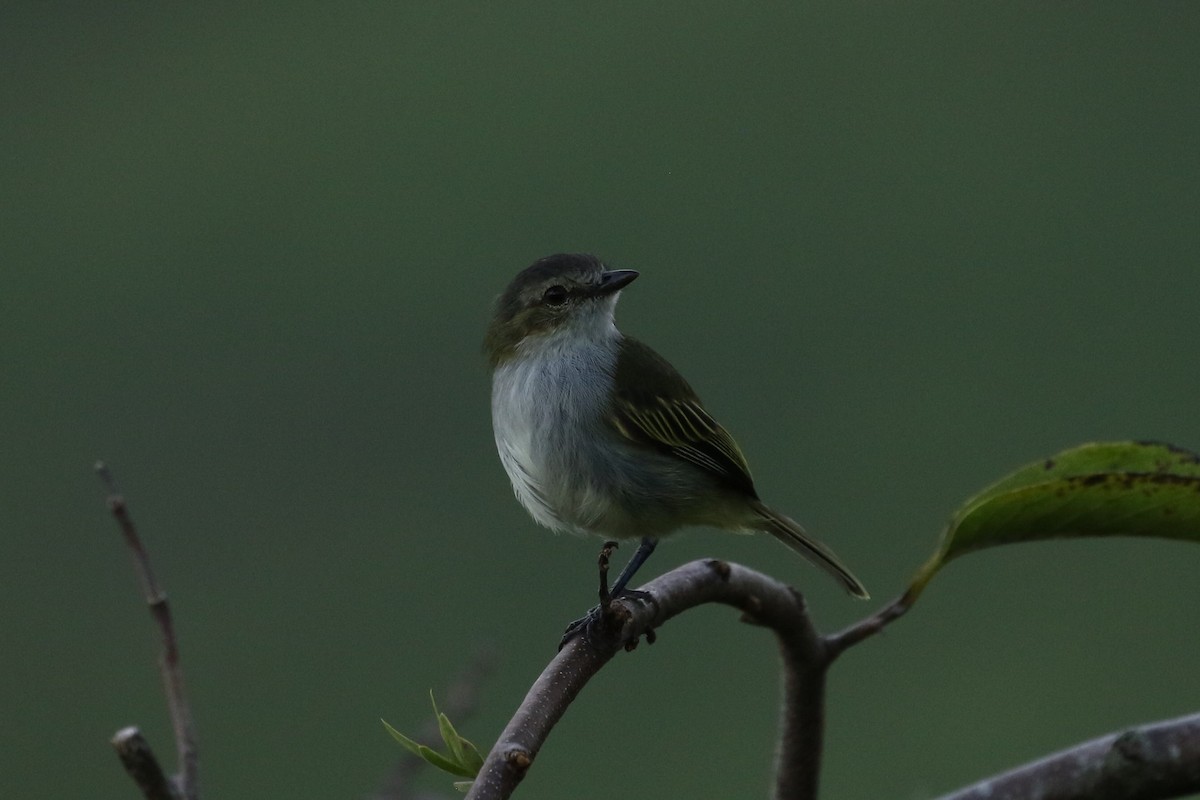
column 614, row 281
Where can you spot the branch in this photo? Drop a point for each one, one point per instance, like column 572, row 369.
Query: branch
column 168, row 664
column 1152, row 762
column 764, row 601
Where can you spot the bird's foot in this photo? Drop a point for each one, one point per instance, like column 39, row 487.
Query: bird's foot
column 607, row 620
column 609, row 617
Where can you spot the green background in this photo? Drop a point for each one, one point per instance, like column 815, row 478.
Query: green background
column 247, row 256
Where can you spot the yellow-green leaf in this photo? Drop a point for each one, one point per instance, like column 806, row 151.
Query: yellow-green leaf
column 472, row 758
column 411, row 745
column 431, row 756
column 445, row 763
column 449, row 735
column 1147, row 489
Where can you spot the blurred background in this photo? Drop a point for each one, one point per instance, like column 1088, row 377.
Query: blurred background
column 247, row 258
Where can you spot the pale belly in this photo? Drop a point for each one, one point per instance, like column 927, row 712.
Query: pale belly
column 573, row 472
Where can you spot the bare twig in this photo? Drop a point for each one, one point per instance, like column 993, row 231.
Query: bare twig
column 169, row 665
column 139, row 761
column 1151, row 762
column 837, row 643
column 458, row 702
column 764, row 600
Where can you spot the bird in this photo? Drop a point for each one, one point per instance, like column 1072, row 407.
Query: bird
column 599, row 434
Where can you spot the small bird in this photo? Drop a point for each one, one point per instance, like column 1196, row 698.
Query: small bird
column 599, row 434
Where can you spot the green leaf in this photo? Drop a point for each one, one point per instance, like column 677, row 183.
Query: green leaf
column 1146, row 489
column 472, row 758
column 463, row 786
column 445, row 764
column 449, row 735
column 433, row 757
column 411, row 745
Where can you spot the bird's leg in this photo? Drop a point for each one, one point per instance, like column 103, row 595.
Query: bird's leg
column 639, row 557
column 606, row 552
column 618, row 589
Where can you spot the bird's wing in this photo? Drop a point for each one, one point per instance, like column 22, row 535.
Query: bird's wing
column 654, row 406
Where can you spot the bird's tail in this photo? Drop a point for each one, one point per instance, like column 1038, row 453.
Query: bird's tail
column 790, row 533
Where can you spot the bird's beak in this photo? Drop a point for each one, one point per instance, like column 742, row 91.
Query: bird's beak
column 614, row 281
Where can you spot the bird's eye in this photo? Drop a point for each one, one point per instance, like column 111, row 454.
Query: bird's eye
column 555, row 296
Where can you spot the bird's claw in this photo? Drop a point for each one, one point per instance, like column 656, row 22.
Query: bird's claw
column 608, row 617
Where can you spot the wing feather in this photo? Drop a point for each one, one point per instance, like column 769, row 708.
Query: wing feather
column 655, row 406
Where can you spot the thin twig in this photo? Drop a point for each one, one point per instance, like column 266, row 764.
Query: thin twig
column 764, row 601
column 141, row 764
column 838, row 643
column 1151, row 762
column 168, row 665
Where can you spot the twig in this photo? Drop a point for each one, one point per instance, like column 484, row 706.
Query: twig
column 139, row 761
column 1152, row 762
column 168, row 665
column 837, row 643
column 764, row 600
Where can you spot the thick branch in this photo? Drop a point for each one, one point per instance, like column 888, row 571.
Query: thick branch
column 1152, row 762
column 168, row 664
column 802, row 712
column 764, row 600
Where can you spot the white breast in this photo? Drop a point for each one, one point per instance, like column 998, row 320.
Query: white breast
column 547, row 404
